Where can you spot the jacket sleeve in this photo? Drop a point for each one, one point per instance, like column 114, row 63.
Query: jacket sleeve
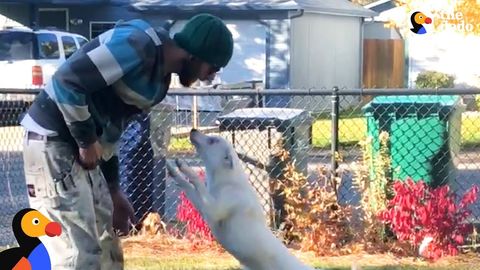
column 109, row 164
column 110, row 170
column 98, row 64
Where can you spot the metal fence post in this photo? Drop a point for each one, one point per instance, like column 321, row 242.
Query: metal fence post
column 335, row 120
column 259, row 100
column 195, row 112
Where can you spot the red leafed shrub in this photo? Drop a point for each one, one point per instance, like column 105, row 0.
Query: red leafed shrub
column 418, row 211
column 196, row 227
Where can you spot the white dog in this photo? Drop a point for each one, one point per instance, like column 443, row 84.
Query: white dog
column 230, row 206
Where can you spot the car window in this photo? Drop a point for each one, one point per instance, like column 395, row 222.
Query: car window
column 48, row 46
column 81, row 41
column 16, row 45
column 69, row 46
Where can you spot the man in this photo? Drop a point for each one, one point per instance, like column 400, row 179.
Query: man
column 72, row 127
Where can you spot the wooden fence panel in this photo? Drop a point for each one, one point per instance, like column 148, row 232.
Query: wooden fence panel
column 384, row 63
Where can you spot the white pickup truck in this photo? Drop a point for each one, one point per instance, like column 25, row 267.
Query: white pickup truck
column 29, row 58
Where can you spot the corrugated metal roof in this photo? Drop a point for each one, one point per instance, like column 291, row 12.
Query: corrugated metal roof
column 381, row 5
column 64, row 2
column 231, row 4
column 340, row 7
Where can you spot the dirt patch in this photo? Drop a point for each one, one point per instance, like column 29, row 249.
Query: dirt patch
column 167, row 246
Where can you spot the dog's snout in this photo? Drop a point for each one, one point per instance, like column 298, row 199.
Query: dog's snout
column 194, row 136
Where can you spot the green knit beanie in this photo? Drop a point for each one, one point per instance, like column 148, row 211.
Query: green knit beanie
column 208, row 38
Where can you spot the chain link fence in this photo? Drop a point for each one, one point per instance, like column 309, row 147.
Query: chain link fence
column 434, row 135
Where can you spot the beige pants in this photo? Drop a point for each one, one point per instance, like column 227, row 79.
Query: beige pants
column 79, row 200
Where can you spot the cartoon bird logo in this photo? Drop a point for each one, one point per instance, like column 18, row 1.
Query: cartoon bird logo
column 29, row 224
column 418, row 19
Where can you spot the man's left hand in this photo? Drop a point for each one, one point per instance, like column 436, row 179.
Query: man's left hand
column 123, row 213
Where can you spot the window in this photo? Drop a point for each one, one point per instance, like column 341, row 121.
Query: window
column 48, row 46
column 53, row 17
column 81, row 41
column 16, row 46
column 69, row 46
column 97, row 28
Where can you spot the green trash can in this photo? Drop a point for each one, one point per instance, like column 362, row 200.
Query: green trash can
column 425, row 135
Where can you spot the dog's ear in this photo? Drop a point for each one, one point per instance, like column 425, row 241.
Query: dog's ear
column 228, row 160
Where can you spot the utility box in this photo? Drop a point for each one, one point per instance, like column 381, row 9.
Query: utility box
column 257, row 134
column 425, row 135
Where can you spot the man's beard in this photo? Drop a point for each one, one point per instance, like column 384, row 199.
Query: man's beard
column 188, row 74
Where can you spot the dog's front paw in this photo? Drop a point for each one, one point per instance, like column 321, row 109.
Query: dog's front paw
column 179, row 179
column 171, row 169
column 180, row 163
column 189, row 173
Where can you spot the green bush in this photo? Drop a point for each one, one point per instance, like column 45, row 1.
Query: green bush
column 434, row 79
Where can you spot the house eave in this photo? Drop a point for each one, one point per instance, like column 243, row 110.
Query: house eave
column 341, row 12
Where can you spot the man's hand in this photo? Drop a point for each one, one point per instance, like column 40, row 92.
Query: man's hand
column 90, row 156
column 123, row 213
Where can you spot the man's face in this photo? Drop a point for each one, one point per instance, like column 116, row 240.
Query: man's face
column 195, row 69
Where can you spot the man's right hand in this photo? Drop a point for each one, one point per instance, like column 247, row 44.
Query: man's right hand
column 90, row 156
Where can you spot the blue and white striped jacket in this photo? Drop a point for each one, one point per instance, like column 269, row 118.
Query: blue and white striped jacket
column 114, row 76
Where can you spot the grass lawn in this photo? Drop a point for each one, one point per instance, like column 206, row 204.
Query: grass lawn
column 200, row 262
column 180, row 145
column 353, row 130
column 471, row 130
column 155, row 253
column 350, row 131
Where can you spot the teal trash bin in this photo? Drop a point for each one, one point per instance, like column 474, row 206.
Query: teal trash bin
column 424, row 133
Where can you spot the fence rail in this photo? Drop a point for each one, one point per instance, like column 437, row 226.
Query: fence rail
column 295, row 92
column 432, row 136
